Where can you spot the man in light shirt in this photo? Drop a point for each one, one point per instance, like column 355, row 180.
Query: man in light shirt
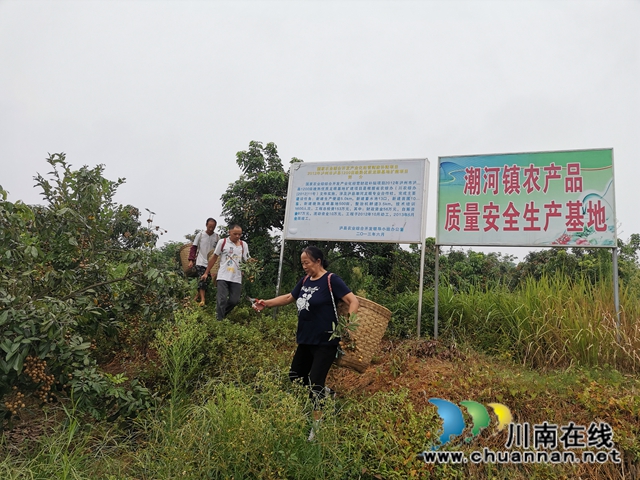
column 203, row 243
column 232, row 252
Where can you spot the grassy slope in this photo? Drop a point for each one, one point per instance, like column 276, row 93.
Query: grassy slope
column 247, row 422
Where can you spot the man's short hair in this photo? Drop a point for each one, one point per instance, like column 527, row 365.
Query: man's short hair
column 209, row 220
column 234, row 225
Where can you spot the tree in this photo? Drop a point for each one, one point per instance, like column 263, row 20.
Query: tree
column 592, row 264
column 77, row 275
column 257, row 202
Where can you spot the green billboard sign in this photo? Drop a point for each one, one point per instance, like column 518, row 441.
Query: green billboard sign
column 527, row 199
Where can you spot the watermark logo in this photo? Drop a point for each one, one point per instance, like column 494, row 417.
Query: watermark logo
column 453, row 421
column 526, row 443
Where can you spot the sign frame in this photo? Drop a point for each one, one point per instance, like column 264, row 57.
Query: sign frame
column 349, row 174
column 599, row 189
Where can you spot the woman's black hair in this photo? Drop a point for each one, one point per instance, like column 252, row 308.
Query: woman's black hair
column 316, row 254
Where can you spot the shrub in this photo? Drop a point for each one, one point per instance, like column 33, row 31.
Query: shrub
column 260, row 430
column 74, row 274
column 181, row 346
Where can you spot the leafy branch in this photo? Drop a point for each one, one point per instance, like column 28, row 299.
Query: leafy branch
column 251, row 269
column 346, row 325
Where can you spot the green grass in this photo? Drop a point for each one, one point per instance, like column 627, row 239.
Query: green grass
column 227, row 409
column 259, row 430
column 551, row 323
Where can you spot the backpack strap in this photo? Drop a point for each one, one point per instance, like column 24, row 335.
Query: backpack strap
column 224, row 242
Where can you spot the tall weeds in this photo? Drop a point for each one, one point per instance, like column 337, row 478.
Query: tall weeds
column 72, row 450
column 551, row 322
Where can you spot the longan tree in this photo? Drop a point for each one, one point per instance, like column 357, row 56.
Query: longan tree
column 78, row 277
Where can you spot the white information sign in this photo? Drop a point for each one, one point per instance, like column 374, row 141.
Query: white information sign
column 361, row 201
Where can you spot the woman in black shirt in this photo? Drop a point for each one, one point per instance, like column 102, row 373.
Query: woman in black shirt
column 316, row 314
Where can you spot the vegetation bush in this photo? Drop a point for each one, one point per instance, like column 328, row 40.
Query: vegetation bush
column 259, row 430
column 196, row 347
column 70, row 448
column 78, row 276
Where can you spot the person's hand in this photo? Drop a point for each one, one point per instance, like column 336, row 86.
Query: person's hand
column 204, row 276
column 259, row 305
column 190, row 263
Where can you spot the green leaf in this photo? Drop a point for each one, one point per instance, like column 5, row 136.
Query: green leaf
column 12, row 355
column 44, row 349
column 20, row 361
column 14, row 362
column 6, row 345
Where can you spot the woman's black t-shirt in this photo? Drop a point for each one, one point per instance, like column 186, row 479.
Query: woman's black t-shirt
column 315, row 308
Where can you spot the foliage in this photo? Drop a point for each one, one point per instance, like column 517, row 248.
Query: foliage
column 251, row 269
column 344, row 325
column 181, row 346
column 404, row 314
column 70, row 449
column 196, row 346
column 238, row 416
column 168, row 255
column 107, row 396
column 375, row 269
column 342, row 329
column 230, row 343
column 593, row 264
column 465, row 270
column 552, row 322
column 78, row 275
column 258, row 428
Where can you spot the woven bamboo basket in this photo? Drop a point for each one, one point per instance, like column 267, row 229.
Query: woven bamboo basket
column 191, row 272
column 372, row 323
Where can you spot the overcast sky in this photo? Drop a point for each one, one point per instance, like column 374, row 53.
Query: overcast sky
column 164, row 93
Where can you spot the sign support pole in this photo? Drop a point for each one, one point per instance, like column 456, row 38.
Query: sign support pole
column 421, row 286
column 275, row 310
column 435, row 294
column 616, row 292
